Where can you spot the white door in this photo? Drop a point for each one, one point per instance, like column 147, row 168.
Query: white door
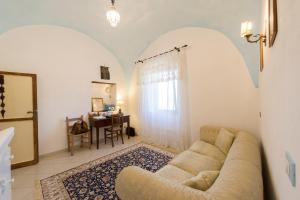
column 21, row 113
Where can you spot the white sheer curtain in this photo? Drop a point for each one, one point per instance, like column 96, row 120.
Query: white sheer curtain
column 163, row 101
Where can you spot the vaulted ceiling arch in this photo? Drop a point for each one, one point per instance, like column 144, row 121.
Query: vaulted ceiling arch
column 141, row 23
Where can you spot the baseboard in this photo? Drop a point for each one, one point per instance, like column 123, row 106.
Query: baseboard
column 66, row 149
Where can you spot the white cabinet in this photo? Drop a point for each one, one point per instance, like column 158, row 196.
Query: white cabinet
column 5, row 163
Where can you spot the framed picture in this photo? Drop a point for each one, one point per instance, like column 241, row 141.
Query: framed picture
column 97, row 105
column 273, row 21
column 104, row 72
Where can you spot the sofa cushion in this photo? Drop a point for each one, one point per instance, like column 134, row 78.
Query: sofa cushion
column 194, row 163
column 174, row 173
column 208, row 150
column 202, row 181
column 224, row 140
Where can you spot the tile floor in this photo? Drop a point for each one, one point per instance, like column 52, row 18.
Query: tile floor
column 25, row 178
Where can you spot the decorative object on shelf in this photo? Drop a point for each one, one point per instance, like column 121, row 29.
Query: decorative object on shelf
column 105, row 75
column 108, row 91
column 246, row 32
column 113, row 15
column 273, row 21
column 109, row 107
column 2, row 97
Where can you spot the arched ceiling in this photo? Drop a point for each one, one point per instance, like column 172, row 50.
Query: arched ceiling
column 142, row 21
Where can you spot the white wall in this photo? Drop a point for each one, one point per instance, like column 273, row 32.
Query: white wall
column 65, row 62
column 221, row 91
column 280, row 103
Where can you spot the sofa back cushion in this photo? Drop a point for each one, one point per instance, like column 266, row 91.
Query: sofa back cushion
column 208, row 150
column 202, row 181
column 224, row 140
column 209, row 134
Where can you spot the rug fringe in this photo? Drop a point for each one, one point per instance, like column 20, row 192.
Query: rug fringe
column 164, row 148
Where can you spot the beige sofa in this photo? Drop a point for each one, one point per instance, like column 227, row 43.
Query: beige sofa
column 239, row 179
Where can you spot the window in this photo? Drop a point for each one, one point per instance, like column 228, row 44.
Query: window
column 162, row 103
column 167, row 95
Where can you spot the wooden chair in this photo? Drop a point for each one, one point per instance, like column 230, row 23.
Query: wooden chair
column 83, row 136
column 116, row 129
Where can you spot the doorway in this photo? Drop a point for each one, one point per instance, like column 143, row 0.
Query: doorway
column 20, row 112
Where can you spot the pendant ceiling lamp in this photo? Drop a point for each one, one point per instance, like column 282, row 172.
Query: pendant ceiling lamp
column 113, row 15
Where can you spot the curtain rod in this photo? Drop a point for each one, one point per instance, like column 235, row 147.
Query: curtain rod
column 169, row 51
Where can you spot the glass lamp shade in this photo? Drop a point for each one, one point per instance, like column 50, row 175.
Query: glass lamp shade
column 113, row 17
column 246, row 29
column 120, row 102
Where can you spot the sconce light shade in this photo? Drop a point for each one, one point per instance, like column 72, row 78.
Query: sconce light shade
column 246, row 28
column 113, row 16
column 120, row 102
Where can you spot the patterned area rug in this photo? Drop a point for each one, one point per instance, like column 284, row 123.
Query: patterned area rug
column 96, row 180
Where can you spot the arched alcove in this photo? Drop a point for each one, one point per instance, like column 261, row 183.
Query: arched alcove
column 65, row 61
column 221, row 91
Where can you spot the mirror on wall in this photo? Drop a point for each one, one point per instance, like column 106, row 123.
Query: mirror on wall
column 97, row 104
column 104, row 96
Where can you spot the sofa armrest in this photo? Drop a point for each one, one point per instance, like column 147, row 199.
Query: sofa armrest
column 134, row 183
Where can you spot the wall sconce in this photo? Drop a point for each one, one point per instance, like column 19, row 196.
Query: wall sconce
column 246, row 32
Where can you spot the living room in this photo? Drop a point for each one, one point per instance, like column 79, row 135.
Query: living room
column 176, row 92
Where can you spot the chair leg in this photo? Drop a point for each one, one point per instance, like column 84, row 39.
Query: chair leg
column 127, row 132
column 72, row 145
column 68, row 138
column 104, row 136
column 121, row 133
column 112, row 139
column 89, row 140
column 117, row 136
column 81, row 141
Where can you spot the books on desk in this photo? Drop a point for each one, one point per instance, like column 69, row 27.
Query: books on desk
column 99, row 117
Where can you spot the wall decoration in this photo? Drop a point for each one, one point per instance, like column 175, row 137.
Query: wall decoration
column 246, row 32
column 108, row 91
column 104, row 73
column 2, row 97
column 97, row 104
column 273, row 21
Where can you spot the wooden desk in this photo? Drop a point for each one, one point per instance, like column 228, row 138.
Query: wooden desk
column 100, row 123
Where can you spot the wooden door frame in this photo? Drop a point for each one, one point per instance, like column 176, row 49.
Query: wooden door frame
column 34, row 118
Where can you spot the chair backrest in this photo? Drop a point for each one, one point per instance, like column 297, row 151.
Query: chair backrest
column 70, row 122
column 117, row 120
